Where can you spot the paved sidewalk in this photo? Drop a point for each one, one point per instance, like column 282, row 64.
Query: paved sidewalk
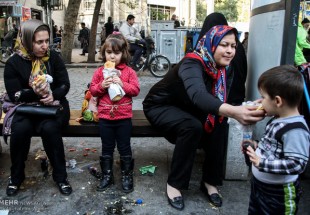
column 80, row 60
column 40, row 196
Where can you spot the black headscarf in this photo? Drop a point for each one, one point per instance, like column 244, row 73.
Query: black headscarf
column 212, row 20
column 238, row 64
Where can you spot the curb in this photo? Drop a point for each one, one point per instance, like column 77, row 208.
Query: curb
column 83, row 65
column 74, row 65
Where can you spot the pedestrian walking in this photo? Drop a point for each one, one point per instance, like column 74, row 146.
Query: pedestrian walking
column 105, row 32
column 109, row 27
column 176, row 21
column 84, row 38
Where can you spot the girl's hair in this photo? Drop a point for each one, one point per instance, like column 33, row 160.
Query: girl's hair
column 118, row 43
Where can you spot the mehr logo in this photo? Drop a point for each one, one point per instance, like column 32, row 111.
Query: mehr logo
column 7, row 202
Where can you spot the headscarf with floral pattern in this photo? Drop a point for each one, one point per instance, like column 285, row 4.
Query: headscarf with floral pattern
column 204, row 52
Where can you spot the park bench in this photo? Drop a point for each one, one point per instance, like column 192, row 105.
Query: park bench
column 141, row 126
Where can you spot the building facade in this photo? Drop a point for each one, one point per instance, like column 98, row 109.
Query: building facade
column 145, row 11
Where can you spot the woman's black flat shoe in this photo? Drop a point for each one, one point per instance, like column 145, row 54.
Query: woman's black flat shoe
column 176, row 202
column 65, row 188
column 215, row 198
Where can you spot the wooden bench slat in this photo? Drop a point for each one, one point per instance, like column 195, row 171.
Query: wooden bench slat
column 141, row 126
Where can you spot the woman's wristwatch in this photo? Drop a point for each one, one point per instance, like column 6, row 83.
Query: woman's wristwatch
column 17, row 96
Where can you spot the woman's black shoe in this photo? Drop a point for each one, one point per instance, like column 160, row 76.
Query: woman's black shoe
column 12, row 189
column 215, row 198
column 65, row 188
column 176, row 202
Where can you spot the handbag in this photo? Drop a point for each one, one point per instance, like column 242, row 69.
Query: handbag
column 39, row 110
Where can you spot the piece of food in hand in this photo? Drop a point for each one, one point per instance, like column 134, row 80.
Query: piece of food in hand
column 39, row 79
column 116, row 98
column 260, row 107
column 109, row 65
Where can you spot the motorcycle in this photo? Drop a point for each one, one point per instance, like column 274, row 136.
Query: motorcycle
column 157, row 64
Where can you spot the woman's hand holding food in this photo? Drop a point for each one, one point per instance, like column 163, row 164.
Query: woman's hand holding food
column 47, row 99
column 42, row 89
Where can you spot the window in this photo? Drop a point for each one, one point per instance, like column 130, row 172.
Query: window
column 158, row 12
column 89, row 4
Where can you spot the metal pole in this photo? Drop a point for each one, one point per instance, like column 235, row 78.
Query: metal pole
column 49, row 18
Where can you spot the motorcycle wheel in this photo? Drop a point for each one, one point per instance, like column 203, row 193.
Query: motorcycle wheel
column 159, row 66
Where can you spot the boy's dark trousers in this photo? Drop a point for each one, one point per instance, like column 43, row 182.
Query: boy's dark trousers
column 273, row 199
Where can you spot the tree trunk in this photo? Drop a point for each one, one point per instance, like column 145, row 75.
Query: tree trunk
column 69, row 29
column 93, row 33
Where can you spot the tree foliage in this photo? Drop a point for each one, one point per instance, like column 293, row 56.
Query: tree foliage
column 243, row 10
column 228, row 8
column 201, row 10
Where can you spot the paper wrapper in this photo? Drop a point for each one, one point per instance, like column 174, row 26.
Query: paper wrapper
column 39, row 80
column 115, row 91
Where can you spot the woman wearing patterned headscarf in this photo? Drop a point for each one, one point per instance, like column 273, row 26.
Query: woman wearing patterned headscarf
column 236, row 77
column 190, row 102
column 32, row 61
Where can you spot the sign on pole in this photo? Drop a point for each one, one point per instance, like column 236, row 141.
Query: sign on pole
column 26, row 13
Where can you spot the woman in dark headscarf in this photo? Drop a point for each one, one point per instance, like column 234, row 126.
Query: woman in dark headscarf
column 189, row 103
column 34, row 61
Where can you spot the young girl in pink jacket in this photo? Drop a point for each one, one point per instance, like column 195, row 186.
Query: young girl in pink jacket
column 115, row 116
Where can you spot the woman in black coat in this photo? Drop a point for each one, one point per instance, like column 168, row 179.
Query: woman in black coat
column 235, row 96
column 189, row 103
column 32, row 61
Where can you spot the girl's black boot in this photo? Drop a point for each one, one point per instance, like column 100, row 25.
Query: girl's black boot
column 106, row 163
column 127, row 165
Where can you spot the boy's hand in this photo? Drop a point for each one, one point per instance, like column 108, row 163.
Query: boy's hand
column 106, row 83
column 252, row 142
column 253, row 157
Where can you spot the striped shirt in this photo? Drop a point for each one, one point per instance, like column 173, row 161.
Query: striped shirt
column 282, row 163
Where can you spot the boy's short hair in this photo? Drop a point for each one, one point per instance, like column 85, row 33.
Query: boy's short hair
column 118, row 43
column 284, row 81
column 130, row 17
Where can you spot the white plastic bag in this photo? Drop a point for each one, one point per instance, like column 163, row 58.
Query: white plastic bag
column 116, row 92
